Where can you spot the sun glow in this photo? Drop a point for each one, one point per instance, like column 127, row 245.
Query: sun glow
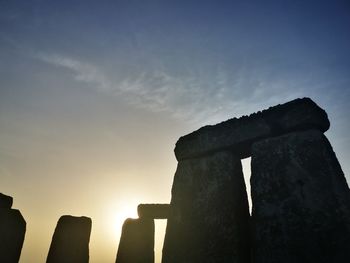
column 117, row 215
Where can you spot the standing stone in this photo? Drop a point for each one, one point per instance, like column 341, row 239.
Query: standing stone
column 210, row 214
column 70, row 242
column 5, row 201
column 12, row 231
column 301, row 201
column 136, row 242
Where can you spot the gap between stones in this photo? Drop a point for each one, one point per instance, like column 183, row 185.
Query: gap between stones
column 246, row 174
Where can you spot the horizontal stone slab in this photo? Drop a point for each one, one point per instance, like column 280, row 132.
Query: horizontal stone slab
column 154, row 211
column 239, row 134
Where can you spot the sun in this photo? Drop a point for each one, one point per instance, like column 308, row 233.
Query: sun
column 118, row 215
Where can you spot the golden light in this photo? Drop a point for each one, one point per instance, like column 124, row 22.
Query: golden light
column 117, row 214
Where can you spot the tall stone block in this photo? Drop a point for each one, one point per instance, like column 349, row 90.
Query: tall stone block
column 301, row 201
column 136, row 242
column 12, row 231
column 5, row 201
column 209, row 221
column 70, row 242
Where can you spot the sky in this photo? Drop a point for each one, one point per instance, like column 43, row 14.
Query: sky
column 95, row 94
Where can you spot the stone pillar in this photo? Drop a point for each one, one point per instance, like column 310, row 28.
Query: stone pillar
column 5, row 201
column 209, row 221
column 70, row 242
column 12, row 231
column 136, row 242
column 301, row 201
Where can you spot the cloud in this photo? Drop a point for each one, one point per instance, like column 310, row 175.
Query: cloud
column 184, row 98
column 83, row 72
column 192, row 97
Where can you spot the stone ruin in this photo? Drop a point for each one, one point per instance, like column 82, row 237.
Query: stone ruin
column 136, row 241
column 300, row 199
column 12, row 230
column 70, row 241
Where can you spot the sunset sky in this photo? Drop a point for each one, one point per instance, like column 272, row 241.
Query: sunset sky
column 95, row 94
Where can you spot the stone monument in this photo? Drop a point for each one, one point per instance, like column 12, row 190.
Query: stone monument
column 12, row 231
column 70, row 241
column 300, row 198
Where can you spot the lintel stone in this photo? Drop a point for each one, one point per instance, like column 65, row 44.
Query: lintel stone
column 239, row 134
column 153, row 211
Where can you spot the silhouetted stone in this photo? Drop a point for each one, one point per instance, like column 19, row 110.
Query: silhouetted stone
column 5, row 201
column 136, row 242
column 153, row 211
column 210, row 215
column 12, row 231
column 70, row 242
column 301, row 201
column 239, row 134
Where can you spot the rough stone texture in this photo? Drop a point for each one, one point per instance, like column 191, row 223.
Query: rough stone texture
column 136, row 242
column 239, row 134
column 153, row 211
column 12, row 232
column 5, row 201
column 210, row 215
column 70, row 242
column 301, row 201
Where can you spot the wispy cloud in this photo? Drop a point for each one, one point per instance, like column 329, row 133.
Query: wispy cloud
column 198, row 99
column 83, row 72
column 184, row 97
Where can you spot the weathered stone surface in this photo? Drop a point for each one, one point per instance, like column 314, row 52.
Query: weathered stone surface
column 5, row 201
column 153, row 211
column 239, row 134
column 210, row 215
column 136, row 242
column 70, row 242
column 301, row 201
column 12, row 232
